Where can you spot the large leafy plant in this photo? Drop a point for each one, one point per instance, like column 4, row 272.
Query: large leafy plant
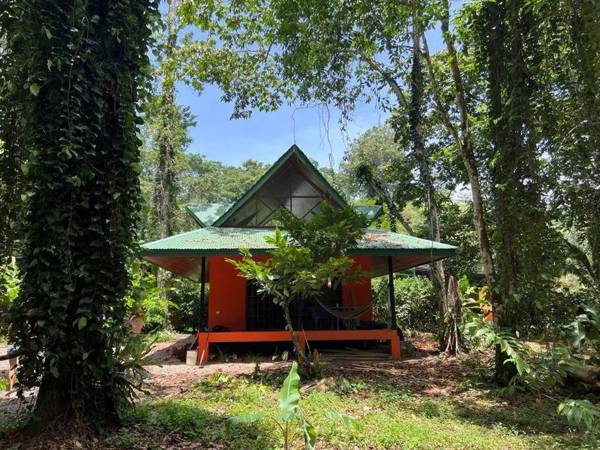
column 291, row 419
column 543, row 371
column 290, row 415
column 10, row 282
column 585, row 331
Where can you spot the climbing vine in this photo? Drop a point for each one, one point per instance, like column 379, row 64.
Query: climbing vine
column 76, row 69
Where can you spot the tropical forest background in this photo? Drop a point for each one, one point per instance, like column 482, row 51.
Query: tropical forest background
column 489, row 142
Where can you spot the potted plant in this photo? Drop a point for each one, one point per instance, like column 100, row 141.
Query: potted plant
column 146, row 303
column 137, row 321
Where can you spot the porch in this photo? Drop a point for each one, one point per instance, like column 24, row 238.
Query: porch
column 205, row 339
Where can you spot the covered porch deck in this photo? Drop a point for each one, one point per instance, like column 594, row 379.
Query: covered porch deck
column 205, row 339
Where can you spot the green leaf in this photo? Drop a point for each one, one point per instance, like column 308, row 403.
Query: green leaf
column 289, row 396
column 47, row 32
column 34, row 88
column 246, row 418
column 81, row 323
column 54, row 371
column 310, row 435
column 348, row 421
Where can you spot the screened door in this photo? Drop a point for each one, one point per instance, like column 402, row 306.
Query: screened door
column 263, row 314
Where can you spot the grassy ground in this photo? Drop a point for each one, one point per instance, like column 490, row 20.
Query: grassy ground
column 427, row 402
column 388, row 414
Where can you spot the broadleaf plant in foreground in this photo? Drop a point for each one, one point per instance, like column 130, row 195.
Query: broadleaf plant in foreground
column 291, row 415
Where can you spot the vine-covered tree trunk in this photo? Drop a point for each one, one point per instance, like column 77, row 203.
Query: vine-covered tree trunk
column 585, row 19
column 464, row 140
column 504, row 175
column 521, row 219
column 84, row 63
column 12, row 151
column 423, row 159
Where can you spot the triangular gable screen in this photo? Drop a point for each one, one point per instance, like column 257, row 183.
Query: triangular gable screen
column 287, row 188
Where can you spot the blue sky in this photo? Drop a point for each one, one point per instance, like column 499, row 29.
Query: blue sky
column 265, row 136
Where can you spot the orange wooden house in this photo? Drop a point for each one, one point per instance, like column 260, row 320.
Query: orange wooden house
column 236, row 313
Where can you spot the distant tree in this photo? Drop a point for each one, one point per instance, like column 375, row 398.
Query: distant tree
column 206, row 181
column 76, row 69
column 170, row 127
column 381, row 170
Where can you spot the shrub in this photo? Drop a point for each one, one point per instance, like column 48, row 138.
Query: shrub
column 146, row 299
column 10, row 283
column 416, row 307
column 539, row 317
column 186, row 312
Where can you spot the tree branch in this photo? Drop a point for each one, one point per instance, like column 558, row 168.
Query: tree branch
column 366, row 176
column 387, row 77
column 10, row 355
column 441, row 106
column 580, row 256
column 464, row 141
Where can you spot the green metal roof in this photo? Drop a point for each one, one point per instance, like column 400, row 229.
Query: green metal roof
column 212, row 241
column 206, row 215
column 294, row 150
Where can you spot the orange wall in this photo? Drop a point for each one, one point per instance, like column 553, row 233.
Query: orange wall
column 360, row 290
column 227, row 293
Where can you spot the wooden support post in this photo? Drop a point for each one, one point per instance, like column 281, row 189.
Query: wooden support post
column 203, row 348
column 391, row 294
column 395, row 345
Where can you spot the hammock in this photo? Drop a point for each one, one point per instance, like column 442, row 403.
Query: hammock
column 349, row 315
column 346, row 315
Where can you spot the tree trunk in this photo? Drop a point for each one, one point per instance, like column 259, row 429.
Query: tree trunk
column 501, row 174
column 465, row 144
column 453, row 337
column 584, row 24
column 416, row 124
column 165, row 198
column 79, row 233
column 303, row 362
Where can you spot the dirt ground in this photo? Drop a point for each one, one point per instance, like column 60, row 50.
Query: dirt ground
column 421, row 369
column 168, row 375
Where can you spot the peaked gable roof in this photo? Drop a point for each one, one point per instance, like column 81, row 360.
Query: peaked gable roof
column 293, row 154
column 205, row 215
